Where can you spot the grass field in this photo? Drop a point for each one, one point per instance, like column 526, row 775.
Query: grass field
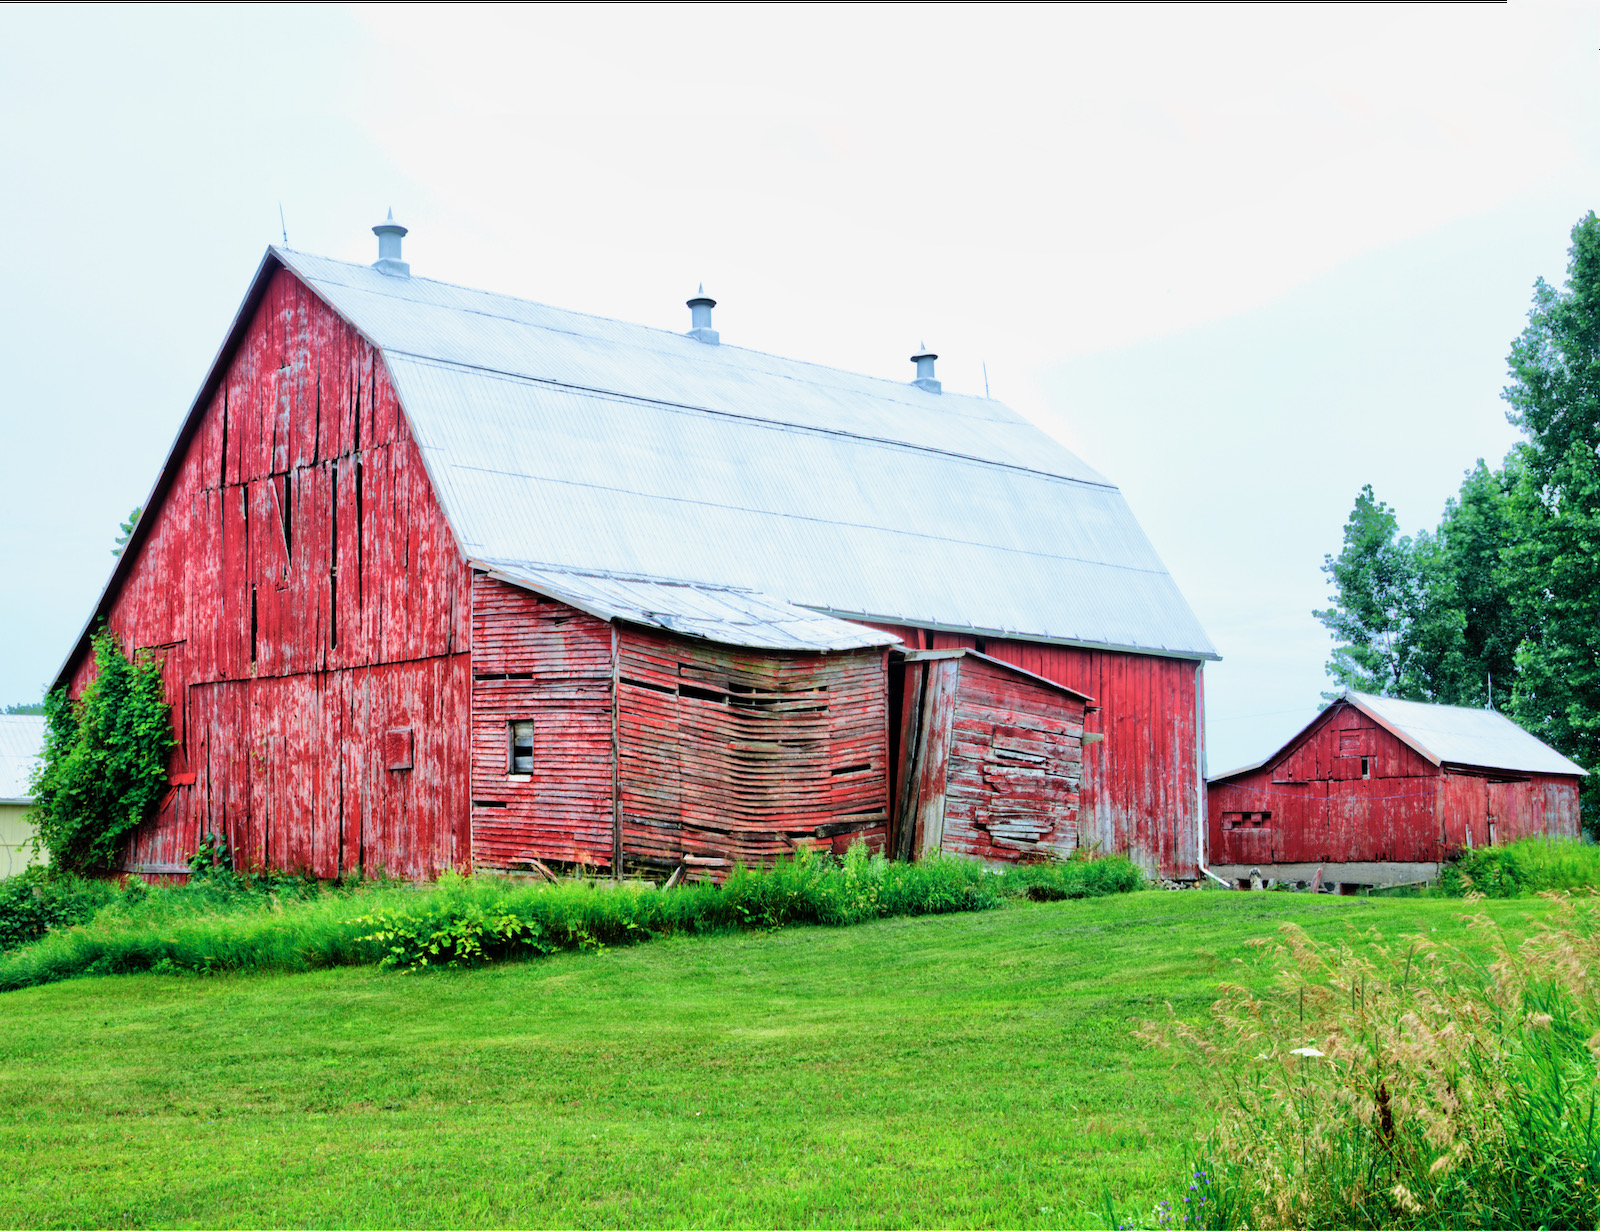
column 958, row 1069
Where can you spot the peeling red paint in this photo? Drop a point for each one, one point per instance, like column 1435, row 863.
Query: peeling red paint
column 1142, row 787
column 301, row 585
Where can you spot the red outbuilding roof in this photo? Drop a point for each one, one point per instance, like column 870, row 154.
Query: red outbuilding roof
column 1444, row 735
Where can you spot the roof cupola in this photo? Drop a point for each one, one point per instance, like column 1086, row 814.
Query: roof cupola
column 700, row 318
column 924, row 360
column 389, row 233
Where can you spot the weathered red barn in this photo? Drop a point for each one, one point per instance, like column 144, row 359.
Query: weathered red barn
column 1378, row 791
column 442, row 578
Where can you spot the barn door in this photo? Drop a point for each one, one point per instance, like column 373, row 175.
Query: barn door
column 1506, row 820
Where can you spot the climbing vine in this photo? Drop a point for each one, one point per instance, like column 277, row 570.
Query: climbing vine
column 104, row 765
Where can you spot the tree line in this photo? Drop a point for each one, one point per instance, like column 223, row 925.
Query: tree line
column 1500, row 605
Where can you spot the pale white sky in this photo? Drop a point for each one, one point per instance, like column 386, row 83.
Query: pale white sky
column 1243, row 259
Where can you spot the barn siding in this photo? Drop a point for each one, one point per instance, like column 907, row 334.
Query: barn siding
column 542, row 661
column 1012, row 789
column 1142, row 790
column 300, row 507
column 734, row 755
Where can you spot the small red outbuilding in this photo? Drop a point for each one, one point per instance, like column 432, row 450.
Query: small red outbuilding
column 1379, row 791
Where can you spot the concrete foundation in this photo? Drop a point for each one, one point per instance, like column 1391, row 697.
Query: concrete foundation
column 1334, row 875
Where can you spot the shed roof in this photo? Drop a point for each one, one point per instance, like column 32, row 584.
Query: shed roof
column 21, row 741
column 567, row 442
column 717, row 613
column 919, row 656
column 1447, row 735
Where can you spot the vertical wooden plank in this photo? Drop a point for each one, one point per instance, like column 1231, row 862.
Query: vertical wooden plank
column 933, row 754
column 903, row 833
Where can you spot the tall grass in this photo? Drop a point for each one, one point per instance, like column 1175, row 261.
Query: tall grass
column 222, row 924
column 1522, row 868
column 1404, row 1085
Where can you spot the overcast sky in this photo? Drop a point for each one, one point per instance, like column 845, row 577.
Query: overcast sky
column 1243, row 260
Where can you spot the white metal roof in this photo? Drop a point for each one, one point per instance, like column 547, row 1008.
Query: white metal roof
column 1447, row 735
column 733, row 617
column 21, row 740
column 1460, row 735
column 569, row 442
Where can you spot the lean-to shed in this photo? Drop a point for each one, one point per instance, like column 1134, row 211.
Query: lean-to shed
column 382, row 476
column 1378, row 791
column 991, row 759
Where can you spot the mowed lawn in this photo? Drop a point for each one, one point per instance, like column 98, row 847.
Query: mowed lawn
column 963, row 1069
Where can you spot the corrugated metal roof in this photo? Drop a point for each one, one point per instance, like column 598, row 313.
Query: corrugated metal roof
column 565, row 441
column 21, row 740
column 733, row 617
column 1459, row 735
column 1447, row 735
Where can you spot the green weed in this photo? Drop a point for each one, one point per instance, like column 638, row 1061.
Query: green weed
column 1523, row 868
column 226, row 921
column 35, row 901
column 1410, row 1084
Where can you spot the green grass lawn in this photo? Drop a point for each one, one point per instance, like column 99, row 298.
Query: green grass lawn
column 956, row 1069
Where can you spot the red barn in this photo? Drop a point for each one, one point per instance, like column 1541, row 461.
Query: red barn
column 1379, row 791
column 442, row 578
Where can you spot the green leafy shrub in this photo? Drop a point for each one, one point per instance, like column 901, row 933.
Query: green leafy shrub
column 103, row 769
column 1406, row 1086
column 1522, row 868
column 37, row 901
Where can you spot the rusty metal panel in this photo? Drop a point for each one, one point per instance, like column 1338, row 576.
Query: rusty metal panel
column 717, row 613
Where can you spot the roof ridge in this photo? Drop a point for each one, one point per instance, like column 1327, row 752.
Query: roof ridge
column 616, row 320
column 757, row 420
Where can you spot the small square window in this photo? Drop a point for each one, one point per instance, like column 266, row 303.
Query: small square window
column 519, row 748
column 1366, row 767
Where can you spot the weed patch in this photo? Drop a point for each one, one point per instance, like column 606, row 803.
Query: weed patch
column 35, row 902
column 1523, row 868
column 222, row 921
column 1409, row 1084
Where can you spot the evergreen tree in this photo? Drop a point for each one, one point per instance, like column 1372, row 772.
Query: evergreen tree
column 127, row 529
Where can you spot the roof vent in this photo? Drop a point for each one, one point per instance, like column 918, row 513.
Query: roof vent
column 700, row 318
column 389, row 233
column 924, row 360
